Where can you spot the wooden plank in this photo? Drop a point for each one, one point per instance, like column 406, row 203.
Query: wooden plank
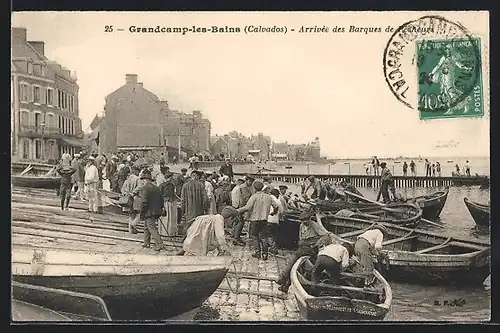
column 26, row 170
column 437, row 247
column 397, row 240
column 21, row 231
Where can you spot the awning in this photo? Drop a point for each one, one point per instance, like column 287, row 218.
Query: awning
column 73, row 142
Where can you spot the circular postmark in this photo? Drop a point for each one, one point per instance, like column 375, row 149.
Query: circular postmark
column 432, row 64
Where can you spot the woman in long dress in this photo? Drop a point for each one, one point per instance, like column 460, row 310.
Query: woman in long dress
column 168, row 223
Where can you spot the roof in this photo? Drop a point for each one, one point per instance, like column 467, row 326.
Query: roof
column 219, row 138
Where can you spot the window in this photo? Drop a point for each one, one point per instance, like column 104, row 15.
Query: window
column 50, row 96
column 24, row 92
column 59, row 98
column 72, row 127
column 71, row 103
column 26, row 149
column 37, row 95
column 30, row 68
column 38, row 150
column 37, row 69
column 25, row 118
column 50, row 121
column 38, row 119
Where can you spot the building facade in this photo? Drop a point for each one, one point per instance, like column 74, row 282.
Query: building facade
column 135, row 119
column 45, row 119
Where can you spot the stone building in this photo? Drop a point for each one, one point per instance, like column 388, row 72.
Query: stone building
column 260, row 147
column 135, row 119
column 45, row 119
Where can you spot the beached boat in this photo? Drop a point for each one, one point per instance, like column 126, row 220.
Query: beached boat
column 431, row 204
column 133, row 286
column 22, row 311
column 46, row 182
column 348, row 300
column 420, row 256
column 479, row 212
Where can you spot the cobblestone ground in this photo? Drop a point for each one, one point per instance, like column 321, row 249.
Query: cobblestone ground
column 250, row 298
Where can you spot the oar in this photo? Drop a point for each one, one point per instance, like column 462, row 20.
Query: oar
column 381, row 205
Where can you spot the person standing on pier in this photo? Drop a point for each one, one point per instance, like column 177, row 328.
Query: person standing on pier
column 152, row 206
column 438, row 169
column 226, row 169
column 368, row 244
column 258, row 207
column 193, row 198
column 387, row 183
column 78, row 177
column 130, row 189
column 433, row 168
column 375, row 164
column 427, row 168
column 66, row 172
column 467, row 168
column 168, row 225
column 92, row 182
column 405, row 169
column 412, row 169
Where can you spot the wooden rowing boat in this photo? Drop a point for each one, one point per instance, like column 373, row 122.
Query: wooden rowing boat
column 133, row 286
column 34, row 301
column 346, row 301
column 45, row 182
column 431, row 204
column 479, row 212
column 420, row 256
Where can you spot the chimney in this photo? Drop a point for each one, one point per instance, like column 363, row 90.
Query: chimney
column 131, row 78
column 140, row 84
column 18, row 35
column 38, row 46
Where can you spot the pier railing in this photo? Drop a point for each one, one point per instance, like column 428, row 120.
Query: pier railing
column 374, row 181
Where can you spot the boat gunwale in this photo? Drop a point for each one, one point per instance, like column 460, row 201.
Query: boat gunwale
column 479, row 206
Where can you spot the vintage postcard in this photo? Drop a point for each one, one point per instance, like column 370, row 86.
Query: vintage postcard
column 250, row 166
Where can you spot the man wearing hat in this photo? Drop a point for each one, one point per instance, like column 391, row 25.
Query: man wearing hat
column 206, row 234
column 226, row 169
column 92, row 182
column 258, row 208
column 78, row 176
column 367, row 244
column 245, row 192
column 387, row 183
column 152, row 206
column 283, row 196
column 112, row 173
column 130, row 189
column 318, row 186
column 194, row 198
column 66, row 172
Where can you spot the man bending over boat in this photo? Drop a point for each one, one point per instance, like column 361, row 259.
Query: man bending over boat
column 332, row 258
column 310, row 233
column 368, row 244
column 206, row 234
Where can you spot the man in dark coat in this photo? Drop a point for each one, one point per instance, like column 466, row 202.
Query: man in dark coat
column 226, row 169
column 112, row 173
column 151, row 209
column 194, row 198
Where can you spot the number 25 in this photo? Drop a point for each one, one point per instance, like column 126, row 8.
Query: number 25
column 108, row 28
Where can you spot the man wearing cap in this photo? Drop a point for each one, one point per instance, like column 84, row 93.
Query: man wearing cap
column 168, row 225
column 367, row 244
column 238, row 219
column 226, row 169
column 66, row 172
column 318, row 187
column 273, row 221
column 332, row 258
column 130, row 188
column 245, row 192
column 78, row 176
column 152, row 206
column 206, row 234
column 310, row 233
column 92, row 182
column 194, row 198
column 111, row 173
column 268, row 184
column 258, row 208
column 283, row 196
column 387, row 183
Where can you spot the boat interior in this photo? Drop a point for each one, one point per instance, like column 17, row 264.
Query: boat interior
column 402, row 239
column 351, row 285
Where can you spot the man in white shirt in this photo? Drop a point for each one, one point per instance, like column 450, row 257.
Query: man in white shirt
column 367, row 244
column 238, row 219
column 92, row 183
column 332, row 258
column 274, row 220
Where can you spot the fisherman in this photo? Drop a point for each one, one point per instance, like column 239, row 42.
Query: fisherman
column 209, row 188
column 405, row 169
column 258, row 207
column 222, row 196
column 193, row 198
column 92, row 183
column 273, row 221
column 206, row 234
column 332, row 258
column 467, row 168
column 246, row 190
column 160, row 177
column 130, row 189
column 283, row 196
column 152, row 206
column 387, row 183
column 226, row 169
column 111, row 173
column 310, row 233
column 412, row 169
column 236, row 220
column 427, row 168
column 438, row 169
column 78, row 177
column 168, row 225
column 368, row 244
column 318, row 186
column 66, row 172
column 268, row 184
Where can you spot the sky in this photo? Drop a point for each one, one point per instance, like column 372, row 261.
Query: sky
column 292, row 87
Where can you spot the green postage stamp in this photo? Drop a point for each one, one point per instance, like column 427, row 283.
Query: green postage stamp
column 449, row 78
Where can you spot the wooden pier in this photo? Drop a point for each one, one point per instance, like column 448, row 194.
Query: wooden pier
column 374, row 181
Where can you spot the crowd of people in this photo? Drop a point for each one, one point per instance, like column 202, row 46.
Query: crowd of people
column 431, row 169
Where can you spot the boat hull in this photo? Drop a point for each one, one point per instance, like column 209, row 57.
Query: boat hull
column 22, row 311
column 433, row 205
column 50, row 183
column 480, row 213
